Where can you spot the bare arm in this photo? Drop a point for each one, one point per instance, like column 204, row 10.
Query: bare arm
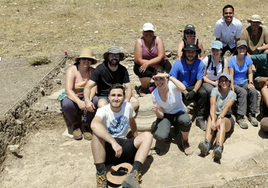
column 231, row 72
column 207, row 80
column 158, row 111
column 250, row 77
column 202, row 54
column 89, row 92
column 179, row 51
column 128, row 91
column 133, row 127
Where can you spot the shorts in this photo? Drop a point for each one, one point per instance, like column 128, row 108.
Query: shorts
column 229, row 116
column 128, row 155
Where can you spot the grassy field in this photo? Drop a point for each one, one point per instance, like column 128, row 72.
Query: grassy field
column 43, row 27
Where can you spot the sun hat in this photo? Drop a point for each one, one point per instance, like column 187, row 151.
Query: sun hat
column 216, row 45
column 192, row 47
column 189, row 27
column 148, row 27
column 117, row 174
column 241, row 43
column 114, row 50
column 226, row 75
column 86, row 53
column 255, row 18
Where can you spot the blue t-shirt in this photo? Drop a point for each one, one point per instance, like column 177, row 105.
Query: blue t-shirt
column 240, row 73
column 188, row 74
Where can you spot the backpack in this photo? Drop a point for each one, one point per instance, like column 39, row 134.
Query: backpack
column 222, row 62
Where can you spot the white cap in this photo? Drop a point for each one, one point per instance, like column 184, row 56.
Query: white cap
column 148, row 27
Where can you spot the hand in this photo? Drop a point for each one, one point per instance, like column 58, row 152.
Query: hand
column 154, row 107
column 82, row 105
column 90, row 107
column 190, row 95
column 143, row 67
column 117, row 149
column 216, row 83
column 250, row 86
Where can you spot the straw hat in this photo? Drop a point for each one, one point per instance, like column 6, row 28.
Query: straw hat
column 117, row 174
column 86, row 53
column 255, row 18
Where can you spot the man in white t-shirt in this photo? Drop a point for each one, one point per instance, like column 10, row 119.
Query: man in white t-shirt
column 228, row 29
column 109, row 144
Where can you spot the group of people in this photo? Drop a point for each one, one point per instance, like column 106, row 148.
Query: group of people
column 103, row 96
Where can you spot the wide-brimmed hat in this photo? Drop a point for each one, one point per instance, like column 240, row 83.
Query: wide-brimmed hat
column 189, row 27
column 255, row 18
column 192, row 47
column 148, row 27
column 216, row 45
column 117, row 174
column 241, row 43
column 86, row 53
column 114, row 50
column 226, row 75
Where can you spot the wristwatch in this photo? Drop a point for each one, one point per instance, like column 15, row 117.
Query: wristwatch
column 220, row 117
column 169, row 75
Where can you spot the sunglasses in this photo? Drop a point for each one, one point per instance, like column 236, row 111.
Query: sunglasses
column 84, row 58
column 189, row 32
column 242, row 48
column 113, row 55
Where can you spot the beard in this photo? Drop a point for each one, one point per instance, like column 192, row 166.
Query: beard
column 113, row 62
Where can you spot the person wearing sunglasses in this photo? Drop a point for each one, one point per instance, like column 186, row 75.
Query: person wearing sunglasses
column 240, row 69
column 149, row 53
column 228, row 29
column 170, row 109
column 107, row 73
column 189, row 37
column 72, row 104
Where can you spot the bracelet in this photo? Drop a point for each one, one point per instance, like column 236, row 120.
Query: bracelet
column 220, row 117
column 169, row 75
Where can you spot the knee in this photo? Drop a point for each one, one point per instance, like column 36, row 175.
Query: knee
column 264, row 124
column 102, row 102
column 134, row 103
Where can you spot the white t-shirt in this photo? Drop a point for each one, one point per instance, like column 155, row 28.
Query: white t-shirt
column 228, row 34
column 174, row 102
column 116, row 123
column 210, row 70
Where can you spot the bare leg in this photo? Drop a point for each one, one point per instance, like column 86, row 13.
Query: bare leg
column 134, row 103
column 209, row 131
column 143, row 142
column 224, row 128
column 263, row 82
column 98, row 149
column 102, row 102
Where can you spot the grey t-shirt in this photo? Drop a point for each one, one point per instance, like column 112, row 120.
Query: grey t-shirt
column 221, row 100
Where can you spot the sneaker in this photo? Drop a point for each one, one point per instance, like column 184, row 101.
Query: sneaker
column 204, row 147
column 242, row 123
column 253, row 120
column 217, row 152
column 200, row 123
column 101, row 181
column 133, row 180
column 186, row 147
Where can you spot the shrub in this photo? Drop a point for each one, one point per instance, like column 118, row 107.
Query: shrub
column 39, row 61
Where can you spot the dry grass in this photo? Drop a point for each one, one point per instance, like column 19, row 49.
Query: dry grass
column 43, row 27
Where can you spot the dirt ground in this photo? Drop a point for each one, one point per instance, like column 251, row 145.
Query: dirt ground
column 50, row 158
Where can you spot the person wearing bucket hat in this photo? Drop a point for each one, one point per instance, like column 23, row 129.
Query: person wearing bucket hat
column 149, row 53
column 220, row 121
column 106, row 74
column 256, row 36
column 77, row 77
column 240, row 68
column 190, row 71
column 228, row 29
column 109, row 143
column 189, row 37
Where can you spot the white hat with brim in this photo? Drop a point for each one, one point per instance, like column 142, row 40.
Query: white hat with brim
column 117, row 174
column 255, row 18
column 148, row 27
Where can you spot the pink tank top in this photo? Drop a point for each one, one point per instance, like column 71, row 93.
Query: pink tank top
column 80, row 82
column 149, row 53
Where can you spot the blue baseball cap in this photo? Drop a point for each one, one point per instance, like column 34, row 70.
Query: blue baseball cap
column 216, row 45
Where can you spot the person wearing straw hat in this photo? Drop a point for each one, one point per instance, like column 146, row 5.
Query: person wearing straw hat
column 228, row 29
column 106, row 74
column 109, row 144
column 77, row 77
column 256, row 36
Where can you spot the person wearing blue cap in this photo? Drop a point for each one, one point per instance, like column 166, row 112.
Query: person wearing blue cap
column 220, row 120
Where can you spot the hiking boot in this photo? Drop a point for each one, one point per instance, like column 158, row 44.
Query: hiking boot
column 200, row 123
column 186, row 147
column 204, row 147
column 253, row 120
column 133, row 180
column 86, row 131
column 242, row 123
column 101, row 180
column 77, row 134
column 217, row 152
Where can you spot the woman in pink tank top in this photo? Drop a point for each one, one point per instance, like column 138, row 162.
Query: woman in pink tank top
column 77, row 77
column 149, row 53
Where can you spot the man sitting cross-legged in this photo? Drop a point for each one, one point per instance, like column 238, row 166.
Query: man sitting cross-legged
column 109, row 144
